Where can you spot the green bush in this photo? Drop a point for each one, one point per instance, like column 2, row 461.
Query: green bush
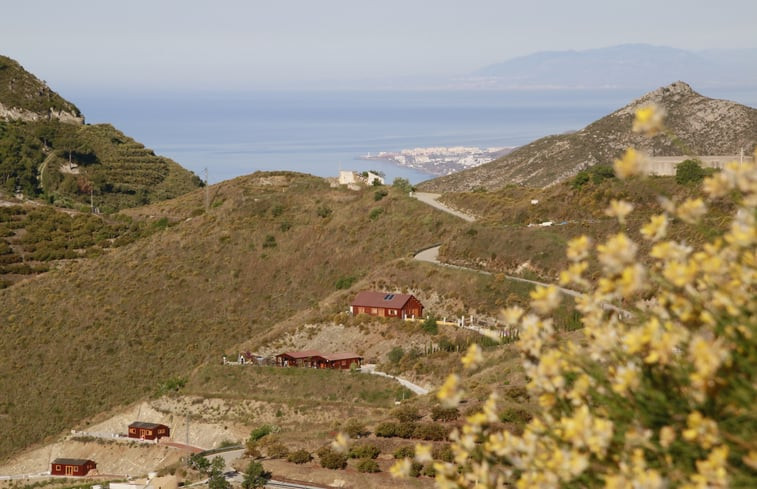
column 365, row 450
column 387, row 430
column 375, row 213
column 345, row 282
column 402, row 184
column 380, row 194
column 368, row 465
column 300, row 456
column 407, row 451
column 431, row 432
column 395, row 354
column 330, row 459
column 689, row 171
column 277, row 450
column 441, row 413
column 406, row 430
column 324, row 211
column 406, row 413
column 430, row 326
column 356, row 429
column 443, row 453
column 260, row 432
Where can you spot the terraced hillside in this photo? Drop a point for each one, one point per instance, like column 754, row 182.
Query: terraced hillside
column 47, row 151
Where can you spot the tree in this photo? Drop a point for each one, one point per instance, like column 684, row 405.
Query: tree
column 689, row 171
column 255, row 476
column 198, row 463
column 217, row 479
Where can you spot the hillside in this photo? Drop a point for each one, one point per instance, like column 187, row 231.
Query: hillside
column 117, row 327
column 47, row 151
column 703, row 125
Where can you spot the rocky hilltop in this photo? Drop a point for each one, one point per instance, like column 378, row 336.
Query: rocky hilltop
column 46, row 151
column 704, row 126
column 25, row 97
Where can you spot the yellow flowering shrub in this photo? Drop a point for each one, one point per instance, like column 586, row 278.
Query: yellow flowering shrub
column 659, row 394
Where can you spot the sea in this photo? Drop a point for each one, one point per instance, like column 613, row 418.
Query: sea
column 229, row 134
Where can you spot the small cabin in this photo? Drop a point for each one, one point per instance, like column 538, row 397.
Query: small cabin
column 72, row 467
column 148, row 431
column 342, row 361
column 304, row 358
column 385, row 304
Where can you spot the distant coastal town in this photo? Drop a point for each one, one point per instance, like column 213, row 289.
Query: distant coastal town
column 440, row 160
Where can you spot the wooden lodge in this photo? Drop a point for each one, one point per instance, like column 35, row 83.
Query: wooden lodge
column 72, row 467
column 315, row 359
column 148, row 431
column 386, row 305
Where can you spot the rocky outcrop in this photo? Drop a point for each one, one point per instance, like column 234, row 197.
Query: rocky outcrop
column 18, row 114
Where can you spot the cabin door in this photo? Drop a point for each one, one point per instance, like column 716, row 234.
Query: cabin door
column 144, row 433
column 69, row 470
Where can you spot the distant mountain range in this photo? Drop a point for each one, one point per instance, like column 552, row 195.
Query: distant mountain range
column 623, row 66
column 704, row 126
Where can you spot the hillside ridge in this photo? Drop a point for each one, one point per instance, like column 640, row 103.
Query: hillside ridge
column 703, row 126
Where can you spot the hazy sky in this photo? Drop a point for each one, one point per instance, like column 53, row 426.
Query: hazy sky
column 237, row 44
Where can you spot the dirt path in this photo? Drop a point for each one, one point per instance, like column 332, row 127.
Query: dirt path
column 432, row 200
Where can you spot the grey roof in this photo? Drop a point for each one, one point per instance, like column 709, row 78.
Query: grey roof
column 389, row 300
column 149, row 426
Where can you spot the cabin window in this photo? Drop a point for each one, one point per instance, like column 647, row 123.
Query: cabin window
column 132, row 430
column 57, row 468
column 76, row 469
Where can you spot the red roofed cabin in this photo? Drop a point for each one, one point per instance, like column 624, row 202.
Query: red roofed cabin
column 387, row 305
column 148, row 431
column 297, row 358
column 339, row 360
column 76, row 467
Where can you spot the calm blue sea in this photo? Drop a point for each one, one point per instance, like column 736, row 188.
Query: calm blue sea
column 234, row 134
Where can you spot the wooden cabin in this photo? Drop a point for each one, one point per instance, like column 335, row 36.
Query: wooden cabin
column 385, row 304
column 339, row 360
column 297, row 358
column 148, row 431
column 72, row 467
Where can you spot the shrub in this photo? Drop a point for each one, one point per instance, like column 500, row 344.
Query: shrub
column 345, row 282
column 375, row 213
column 689, row 171
column 277, row 450
column 441, row 413
column 365, row 450
column 660, row 395
column 431, row 432
column 407, row 451
column 406, row 413
column 255, row 476
column 260, row 432
column 428, row 470
column 368, row 465
column 356, row 429
column 300, row 456
column 380, row 194
column 402, row 184
column 406, row 430
column 330, row 459
column 324, row 211
column 387, row 430
column 443, row 453
column 269, row 242
column 395, row 354
column 430, row 326
column 415, row 469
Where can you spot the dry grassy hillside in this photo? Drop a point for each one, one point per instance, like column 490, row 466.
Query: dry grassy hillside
column 138, row 319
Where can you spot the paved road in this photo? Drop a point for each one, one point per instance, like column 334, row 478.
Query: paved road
column 370, row 368
column 432, row 200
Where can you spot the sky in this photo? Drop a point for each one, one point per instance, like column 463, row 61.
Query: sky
column 160, row 45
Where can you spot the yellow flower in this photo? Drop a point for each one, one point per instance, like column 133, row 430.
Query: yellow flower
column 578, row 248
column 573, row 274
column 626, row 378
column 512, row 315
column 649, row 120
column 751, row 459
column 545, row 299
column 702, row 430
column 691, row 210
column 619, row 209
column 680, row 274
column 449, row 393
column 667, row 436
column 473, row 357
column 341, row 444
column 716, row 185
column 630, row 164
column 616, row 253
column 401, row 469
column 423, row 453
column 656, row 229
